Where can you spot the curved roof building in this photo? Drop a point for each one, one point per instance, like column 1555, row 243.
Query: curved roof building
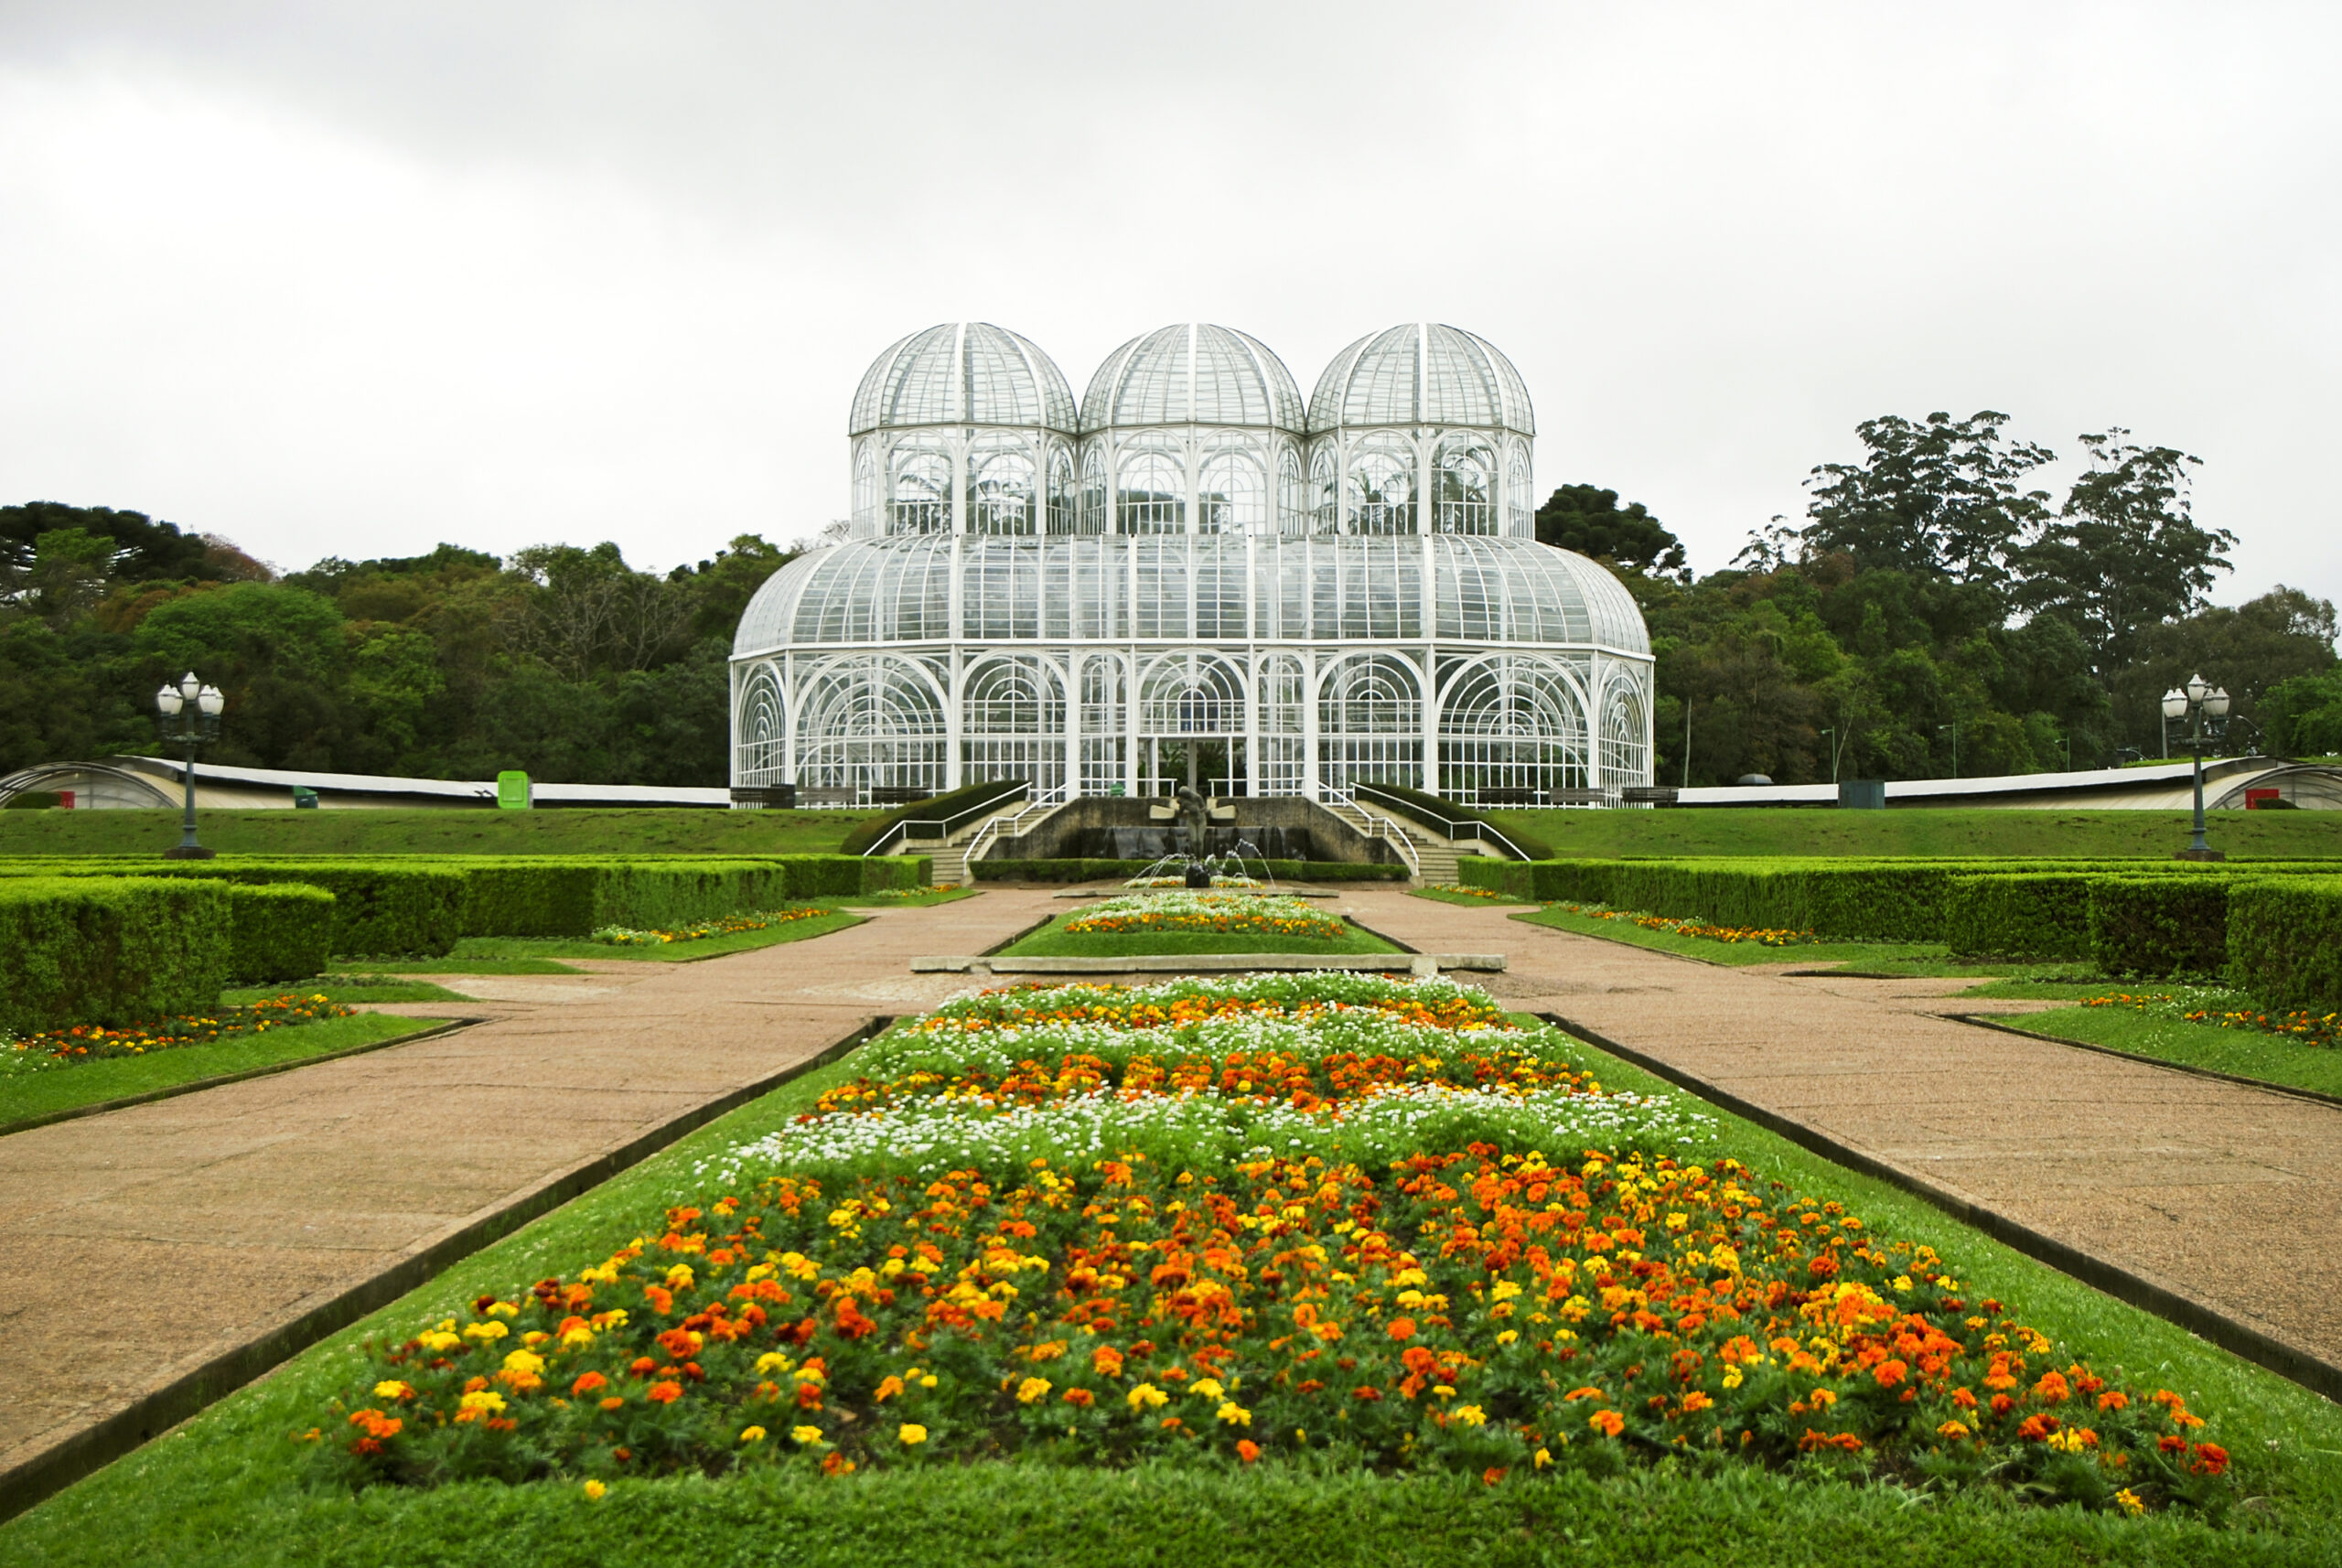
column 1193, row 575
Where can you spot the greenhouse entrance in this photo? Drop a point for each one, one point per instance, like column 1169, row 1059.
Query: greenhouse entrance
column 1212, row 764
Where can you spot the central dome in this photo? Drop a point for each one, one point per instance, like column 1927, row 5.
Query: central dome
column 1193, row 373
column 1422, row 374
column 962, row 372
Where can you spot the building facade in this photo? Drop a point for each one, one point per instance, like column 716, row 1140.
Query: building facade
column 1193, row 575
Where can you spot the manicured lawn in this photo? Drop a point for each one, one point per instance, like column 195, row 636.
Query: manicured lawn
column 1917, row 831
column 2158, row 1035
column 424, row 831
column 1885, row 959
column 453, row 963
column 350, row 989
column 31, row 1095
column 229, row 1488
column 1055, row 941
column 509, row 948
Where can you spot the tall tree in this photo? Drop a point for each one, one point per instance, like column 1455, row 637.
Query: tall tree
column 1937, row 498
column 2125, row 551
column 1589, row 520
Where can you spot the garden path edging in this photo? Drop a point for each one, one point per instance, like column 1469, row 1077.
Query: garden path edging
column 152, row 1414
column 2207, row 1322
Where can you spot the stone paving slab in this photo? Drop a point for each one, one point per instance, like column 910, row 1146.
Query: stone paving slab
column 137, row 1245
column 2216, row 1194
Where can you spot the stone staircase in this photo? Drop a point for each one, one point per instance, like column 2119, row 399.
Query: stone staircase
column 951, row 854
column 1431, row 857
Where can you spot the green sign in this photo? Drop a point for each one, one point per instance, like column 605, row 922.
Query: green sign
column 512, row 791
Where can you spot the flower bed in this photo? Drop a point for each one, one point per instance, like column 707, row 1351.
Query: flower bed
column 88, row 1042
column 1762, row 936
column 1217, row 914
column 1368, row 1221
column 2308, row 1028
column 723, row 926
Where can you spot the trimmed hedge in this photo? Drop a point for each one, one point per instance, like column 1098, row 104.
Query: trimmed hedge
column 2032, row 914
column 381, row 908
column 278, row 931
column 2286, row 940
column 871, row 830
column 1114, row 870
column 108, row 950
column 1857, row 901
column 2152, row 927
column 545, row 896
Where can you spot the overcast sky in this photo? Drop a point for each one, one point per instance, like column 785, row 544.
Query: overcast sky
column 356, row 280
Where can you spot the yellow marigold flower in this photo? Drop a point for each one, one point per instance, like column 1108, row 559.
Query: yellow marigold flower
column 492, row 1330
column 806, row 1433
column 771, row 1361
column 1952, row 1429
column 1032, row 1388
column 927, row 1382
column 439, row 1340
column 1471, row 1415
column 1234, row 1414
column 752, row 1434
column 1507, row 1336
column 1208, row 1387
column 911, row 1434
column 527, row 1361
column 680, row 1277
column 393, row 1390
column 485, row 1400
column 1146, row 1396
column 502, row 1309
column 596, row 1491
column 1543, row 1457
column 2130, row 1501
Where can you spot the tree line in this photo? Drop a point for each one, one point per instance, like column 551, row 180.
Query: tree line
column 1933, row 611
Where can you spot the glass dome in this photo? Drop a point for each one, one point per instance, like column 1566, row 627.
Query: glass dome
column 1193, row 373
column 962, row 372
column 1422, row 374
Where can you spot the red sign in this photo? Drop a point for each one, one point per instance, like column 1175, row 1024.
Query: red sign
column 2254, row 798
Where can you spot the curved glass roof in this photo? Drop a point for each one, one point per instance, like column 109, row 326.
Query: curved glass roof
column 1198, row 587
column 962, row 372
column 1422, row 374
column 1193, row 373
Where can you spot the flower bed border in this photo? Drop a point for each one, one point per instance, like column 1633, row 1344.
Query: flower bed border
column 2207, row 1322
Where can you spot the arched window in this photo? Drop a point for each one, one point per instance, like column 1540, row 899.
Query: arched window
column 1464, row 484
column 866, row 522
column 1012, row 723
column 1370, row 722
column 919, row 489
column 760, row 734
column 1382, row 497
column 1152, row 494
column 1512, row 730
column 1282, row 692
column 1293, row 502
column 1061, row 499
column 1232, row 497
column 1325, row 493
column 1520, row 501
column 1626, row 750
column 871, row 721
column 1104, row 740
column 1094, row 491
column 1000, row 489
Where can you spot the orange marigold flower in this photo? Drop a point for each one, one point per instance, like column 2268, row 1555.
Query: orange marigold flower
column 666, row 1392
column 1081, row 1398
column 1608, row 1422
column 1248, row 1450
column 2115, row 1399
column 1890, row 1373
column 587, row 1383
column 1401, row 1328
column 1492, row 1475
column 888, row 1387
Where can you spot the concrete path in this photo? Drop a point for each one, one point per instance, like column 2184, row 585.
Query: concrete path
column 2219, row 1194
column 139, row 1246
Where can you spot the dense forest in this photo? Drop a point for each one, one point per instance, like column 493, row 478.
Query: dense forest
column 1930, row 614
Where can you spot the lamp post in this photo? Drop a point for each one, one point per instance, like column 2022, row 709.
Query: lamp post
column 2198, row 702
column 197, row 707
column 1954, row 729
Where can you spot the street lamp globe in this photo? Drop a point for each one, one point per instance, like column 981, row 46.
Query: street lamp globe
column 2197, row 687
column 2216, row 704
column 210, row 700
column 2175, row 704
column 190, row 687
column 168, row 700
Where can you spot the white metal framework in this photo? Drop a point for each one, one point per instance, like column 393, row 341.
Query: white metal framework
column 1192, row 575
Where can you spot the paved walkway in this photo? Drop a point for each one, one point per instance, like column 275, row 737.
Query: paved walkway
column 2221, row 1194
column 139, row 1245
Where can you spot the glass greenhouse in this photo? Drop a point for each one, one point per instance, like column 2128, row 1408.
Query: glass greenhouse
column 1193, row 575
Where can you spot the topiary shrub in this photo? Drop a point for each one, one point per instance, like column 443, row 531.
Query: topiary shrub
column 278, row 931
column 2150, row 927
column 2019, row 915
column 90, row 949
column 2286, row 940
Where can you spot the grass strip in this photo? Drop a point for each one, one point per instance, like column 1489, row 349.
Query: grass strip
column 454, row 964
column 351, row 991
column 2238, row 1053
column 36, row 1098
column 1054, row 942
column 225, row 1489
column 1883, row 960
column 668, row 953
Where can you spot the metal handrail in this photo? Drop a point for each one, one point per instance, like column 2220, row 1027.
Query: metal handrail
column 901, row 829
column 999, row 826
column 1379, row 828
column 1482, row 832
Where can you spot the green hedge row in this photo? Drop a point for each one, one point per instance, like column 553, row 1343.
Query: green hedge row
column 278, row 931
column 111, row 951
column 424, row 904
column 2285, row 940
column 1119, row 870
column 2033, row 914
column 2154, row 927
column 1854, row 900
